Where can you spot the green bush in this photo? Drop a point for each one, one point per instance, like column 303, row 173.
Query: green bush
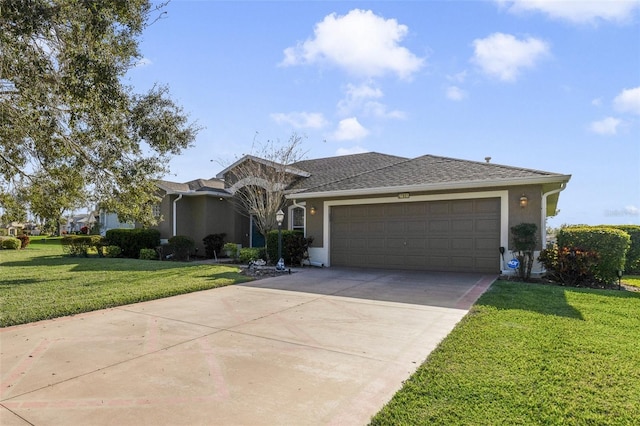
column 231, row 250
column 10, row 243
column 248, row 254
column 573, row 267
column 632, row 264
column 524, row 240
column 24, row 241
column 213, row 244
column 181, row 246
column 610, row 244
column 294, row 246
column 79, row 245
column 148, row 254
column 133, row 240
column 112, row 251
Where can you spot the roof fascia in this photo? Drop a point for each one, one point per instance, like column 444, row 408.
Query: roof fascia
column 433, row 187
column 268, row 163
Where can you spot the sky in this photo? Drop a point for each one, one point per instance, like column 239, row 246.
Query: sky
column 546, row 85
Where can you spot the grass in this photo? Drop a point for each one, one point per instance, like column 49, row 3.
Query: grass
column 632, row 280
column 40, row 283
column 531, row 354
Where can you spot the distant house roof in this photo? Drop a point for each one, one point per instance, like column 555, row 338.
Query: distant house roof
column 195, row 187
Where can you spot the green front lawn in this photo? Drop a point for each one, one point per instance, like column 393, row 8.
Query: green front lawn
column 531, row 354
column 40, row 283
column 632, row 280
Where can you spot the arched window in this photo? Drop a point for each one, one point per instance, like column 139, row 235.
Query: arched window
column 297, row 219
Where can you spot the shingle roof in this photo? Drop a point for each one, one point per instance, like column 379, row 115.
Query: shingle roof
column 332, row 170
column 197, row 185
column 336, row 174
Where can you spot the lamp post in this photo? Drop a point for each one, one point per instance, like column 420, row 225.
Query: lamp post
column 279, row 219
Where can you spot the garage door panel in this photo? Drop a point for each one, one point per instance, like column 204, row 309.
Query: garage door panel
column 462, row 244
column 438, row 243
column 441, row 226
column 465, row 225
column 451, row 235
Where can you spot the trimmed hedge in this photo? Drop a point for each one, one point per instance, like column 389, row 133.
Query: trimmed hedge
column 294, row 246
column 610, row 244
column 148, row 254
column 131, row 241
column 632, row 265
column 181, row 246
column 213, row 245
column 79, row 245
column 10, row 243
column 248, row 254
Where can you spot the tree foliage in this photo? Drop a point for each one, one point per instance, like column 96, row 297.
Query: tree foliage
column 68, row 116
column 260, row 180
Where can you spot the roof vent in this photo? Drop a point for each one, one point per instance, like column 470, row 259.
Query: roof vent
column 487, row 159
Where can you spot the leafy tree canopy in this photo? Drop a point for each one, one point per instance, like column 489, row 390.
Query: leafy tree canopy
column 71, row 132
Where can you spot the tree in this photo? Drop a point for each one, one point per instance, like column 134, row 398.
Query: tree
column 524, row 244
column 64, row 105
column 259, row 180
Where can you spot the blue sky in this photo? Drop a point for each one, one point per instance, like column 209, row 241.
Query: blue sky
column 548, row 85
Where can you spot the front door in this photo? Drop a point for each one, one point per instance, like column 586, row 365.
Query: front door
column 257, row 239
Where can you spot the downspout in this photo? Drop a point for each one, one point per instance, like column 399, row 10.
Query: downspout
column 175, row 213
column 543, row 216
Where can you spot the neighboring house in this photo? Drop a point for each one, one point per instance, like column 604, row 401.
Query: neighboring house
column 108, row 221
column 382, row 211
column 13, row 229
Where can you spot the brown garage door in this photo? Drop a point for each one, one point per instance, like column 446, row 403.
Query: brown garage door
column 456, row 235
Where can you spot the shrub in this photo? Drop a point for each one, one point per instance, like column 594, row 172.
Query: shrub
column 610, row 245
column 294, row 246
column 148, row 254
column 231, row 250
column 632, row 264
column 213, row 244
column 24, row 241
column 79, row 245
column 10, row 243
column 133, row 240
column 113, row 251
column 572, row 267
column 248, row 254
column 524, row 239
column 182, row 246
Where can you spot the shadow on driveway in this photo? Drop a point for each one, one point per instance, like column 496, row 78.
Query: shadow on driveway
column 442, row 289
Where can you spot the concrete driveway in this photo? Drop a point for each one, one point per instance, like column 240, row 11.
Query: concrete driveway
column 319, row 346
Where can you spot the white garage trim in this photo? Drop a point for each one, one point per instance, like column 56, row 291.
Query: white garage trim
column 321, row 254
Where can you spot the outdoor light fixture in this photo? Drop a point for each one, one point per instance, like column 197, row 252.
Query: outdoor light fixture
column 279, row 219
column 524, row 201
column 312, row 210
column 619, row 272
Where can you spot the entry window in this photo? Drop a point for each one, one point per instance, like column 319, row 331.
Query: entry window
column 297, row 219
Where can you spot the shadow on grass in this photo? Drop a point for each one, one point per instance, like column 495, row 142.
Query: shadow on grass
column 94, row 263
column 541, row 298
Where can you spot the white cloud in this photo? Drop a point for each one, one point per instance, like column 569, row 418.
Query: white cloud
column 504, row 56
column 628, row 101
column 301, row 120
column 379, row 110
column 596, row 102
column 458, row 78
column 455, row 93
column 143, row 62
column 350, row 151
column 350, row 129
column 606, row 126
column 359, row 42
column 576, row 11
column 359, row 99
column 627, row 211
